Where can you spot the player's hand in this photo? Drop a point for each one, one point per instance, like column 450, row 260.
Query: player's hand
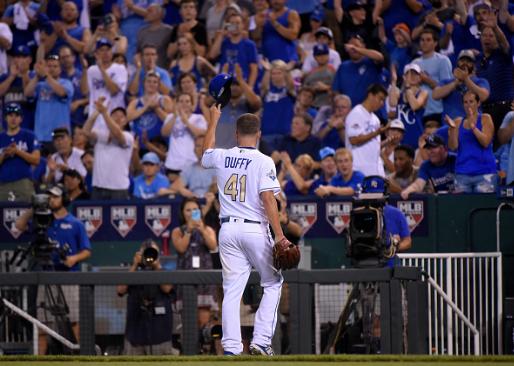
column 137, row 61
column 286, row 159
column 215, row 113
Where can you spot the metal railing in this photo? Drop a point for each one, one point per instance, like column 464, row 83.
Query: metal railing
column 468, row 285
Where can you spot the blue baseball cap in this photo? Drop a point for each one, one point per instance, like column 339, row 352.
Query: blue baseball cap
column 219, row 88
column 150, row 158
column 103, row 42
column 22, row 50
column 320, row 49
column 13, row 108
column 374, row 185
column 326, row 152
column 317, row 16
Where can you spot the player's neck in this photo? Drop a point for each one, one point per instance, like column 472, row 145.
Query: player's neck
column 247, row 142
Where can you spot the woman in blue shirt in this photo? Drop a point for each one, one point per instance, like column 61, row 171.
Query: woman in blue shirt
column 472, row 137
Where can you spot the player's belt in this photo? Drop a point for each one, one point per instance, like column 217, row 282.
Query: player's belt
column 237, row 219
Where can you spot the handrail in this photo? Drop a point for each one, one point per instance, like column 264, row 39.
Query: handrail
column 460, row 314
column 449, row 255
column 39, row 325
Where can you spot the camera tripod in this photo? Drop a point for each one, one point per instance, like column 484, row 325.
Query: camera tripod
column 365, row 296
column 53, row 302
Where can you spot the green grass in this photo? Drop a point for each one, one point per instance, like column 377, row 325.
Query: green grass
column 348, row 360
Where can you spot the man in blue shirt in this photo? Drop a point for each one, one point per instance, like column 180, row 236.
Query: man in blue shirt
column 70, row 234
column 18, row 151
column 151, row 183
column 53, row 95
column 438, row 170
column 464, row 79
column 145, row 63
column 234, row 48
column 364, row 67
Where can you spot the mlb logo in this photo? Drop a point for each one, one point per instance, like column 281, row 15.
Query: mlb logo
column 338, row 215
column 91, row 217
column 123, row 218
column 158, row 218
column 305, row 214
column 10, row 215
column 413, row 211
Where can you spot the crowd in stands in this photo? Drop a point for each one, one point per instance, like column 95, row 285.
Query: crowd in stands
column 109, row 97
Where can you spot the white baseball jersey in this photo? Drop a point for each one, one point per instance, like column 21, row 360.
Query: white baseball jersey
column 242, row 174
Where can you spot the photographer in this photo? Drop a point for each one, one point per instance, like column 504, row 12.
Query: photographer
column 148, row 329
column 62, row 239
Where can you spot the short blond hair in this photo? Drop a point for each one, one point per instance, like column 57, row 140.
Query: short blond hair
column 306, row 159
column 343, row 151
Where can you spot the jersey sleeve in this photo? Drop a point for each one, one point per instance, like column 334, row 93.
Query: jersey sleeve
column 423, row 171
column 211, row 157
column 354, row 127
column 268, row 180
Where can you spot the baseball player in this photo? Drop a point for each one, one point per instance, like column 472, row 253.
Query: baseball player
column 247, row 185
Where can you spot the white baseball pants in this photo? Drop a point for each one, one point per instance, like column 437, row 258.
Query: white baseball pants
column 243, row 246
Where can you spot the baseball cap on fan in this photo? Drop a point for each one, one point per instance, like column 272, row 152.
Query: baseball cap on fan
column 326, row 152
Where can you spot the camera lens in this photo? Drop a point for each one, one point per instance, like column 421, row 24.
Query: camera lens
column 150, row 255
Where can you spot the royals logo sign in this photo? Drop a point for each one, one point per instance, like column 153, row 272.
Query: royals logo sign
column 305, row 214
column 91, row 217
column 123, row 218
column 338, row 215
column 157, row 218
column 413, row 211
column 10, row 216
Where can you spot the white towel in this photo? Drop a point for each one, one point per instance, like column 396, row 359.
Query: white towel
column 20, row 19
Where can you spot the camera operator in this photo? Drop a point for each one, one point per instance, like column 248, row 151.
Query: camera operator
column 72, row 246
column 148, row 329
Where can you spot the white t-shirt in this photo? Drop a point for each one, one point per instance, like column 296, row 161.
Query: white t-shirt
column 6, row 33
column 242, row 174
column 73, row 162
column 366, row 157
column 97, row 89
column 310, row 63
column 112, row 161
column 181, row 147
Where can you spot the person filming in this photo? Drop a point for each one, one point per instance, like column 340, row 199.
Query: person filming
column 148, row 329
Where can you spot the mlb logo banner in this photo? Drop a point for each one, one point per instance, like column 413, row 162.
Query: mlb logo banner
column 10, row 215
column 158, row 218
column 91, row 217
column 338, row 215
column 123, row 218
column 305, row 214
column 413, row 211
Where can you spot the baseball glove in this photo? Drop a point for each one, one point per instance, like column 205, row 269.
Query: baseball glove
column 286, row 255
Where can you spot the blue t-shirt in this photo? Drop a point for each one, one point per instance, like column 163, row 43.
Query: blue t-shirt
column 354, row 78
column 354, row 182
column 15, row 168
column 441, row 176
column 412, row 120
column 452, row 103
column 291, row 190
column 277, row 111
column 311, row 146
column 318, row 182
column 244, row 53
column 399, row 56
column 68, row 230
column 52, row 111
column 395, row 224
column 399, row 12
column 147, row 191
column 164, row 77
column 148, row 121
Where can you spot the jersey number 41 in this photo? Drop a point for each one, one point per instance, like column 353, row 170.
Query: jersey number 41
column 236, row 186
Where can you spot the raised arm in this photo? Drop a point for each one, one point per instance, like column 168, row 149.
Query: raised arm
column 210, row 136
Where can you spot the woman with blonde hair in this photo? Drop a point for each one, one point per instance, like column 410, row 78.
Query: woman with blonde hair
column 187, row 61
column 278, row 95
column 299, row 174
